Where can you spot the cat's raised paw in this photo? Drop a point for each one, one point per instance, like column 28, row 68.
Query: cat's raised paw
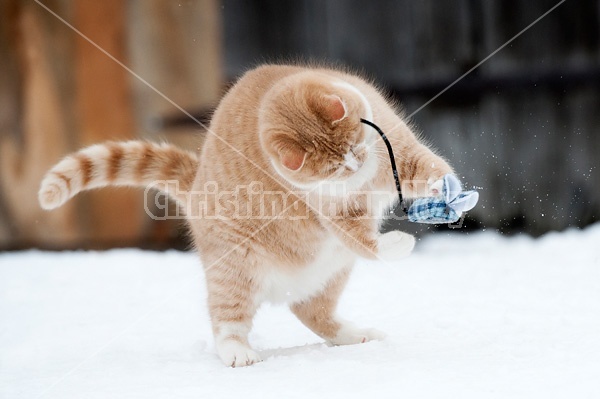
column 436, row 188
column 236, row 354
column 394, row 245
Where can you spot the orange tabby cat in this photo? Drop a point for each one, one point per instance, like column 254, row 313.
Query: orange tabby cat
column 293, row 135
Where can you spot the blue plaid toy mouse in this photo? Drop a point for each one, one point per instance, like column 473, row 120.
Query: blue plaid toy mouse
column 445, row 208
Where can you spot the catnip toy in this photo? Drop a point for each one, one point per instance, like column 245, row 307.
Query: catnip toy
column 445, row 208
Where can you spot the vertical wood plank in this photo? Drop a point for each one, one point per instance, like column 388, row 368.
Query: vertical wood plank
column 35, row 48
column 175, row 47
column 103, row 106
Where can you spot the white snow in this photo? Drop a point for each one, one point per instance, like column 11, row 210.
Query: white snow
column 467, row 316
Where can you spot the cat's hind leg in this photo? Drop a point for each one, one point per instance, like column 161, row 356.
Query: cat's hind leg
column 232, row 305
column 318, row 314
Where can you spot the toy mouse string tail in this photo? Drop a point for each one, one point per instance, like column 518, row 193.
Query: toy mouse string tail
column 392, row 160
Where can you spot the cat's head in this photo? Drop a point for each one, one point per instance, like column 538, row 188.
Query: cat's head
column 310, row 129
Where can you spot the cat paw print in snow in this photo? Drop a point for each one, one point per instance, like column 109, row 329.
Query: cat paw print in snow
column 446, row 208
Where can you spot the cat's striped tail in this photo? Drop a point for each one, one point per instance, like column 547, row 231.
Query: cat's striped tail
column 130, row 163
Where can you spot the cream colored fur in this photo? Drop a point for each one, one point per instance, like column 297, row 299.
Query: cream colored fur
column 294, row 130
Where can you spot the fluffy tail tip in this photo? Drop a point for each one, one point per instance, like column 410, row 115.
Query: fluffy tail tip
column 51, row 194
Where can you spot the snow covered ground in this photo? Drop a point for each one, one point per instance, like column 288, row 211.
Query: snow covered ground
column 468, row 316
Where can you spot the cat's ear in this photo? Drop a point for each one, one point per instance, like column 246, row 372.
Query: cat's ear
column 332, row 108
column 291, row 155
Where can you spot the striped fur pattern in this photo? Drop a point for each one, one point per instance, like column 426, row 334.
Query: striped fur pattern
column 131, row 163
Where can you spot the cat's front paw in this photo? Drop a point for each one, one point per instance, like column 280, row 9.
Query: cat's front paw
column 350, row 335
column 394, row 245
column 236, row 354
column 435, row 187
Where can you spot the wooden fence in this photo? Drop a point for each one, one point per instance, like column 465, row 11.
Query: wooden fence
column 59, row 92
column 523, row 126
